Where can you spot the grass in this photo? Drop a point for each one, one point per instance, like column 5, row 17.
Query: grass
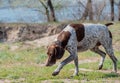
column 26, row 65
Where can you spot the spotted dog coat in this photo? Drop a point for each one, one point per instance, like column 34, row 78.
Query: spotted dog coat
column 81, row 37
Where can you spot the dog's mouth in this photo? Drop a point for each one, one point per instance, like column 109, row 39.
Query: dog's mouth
column 50, row 64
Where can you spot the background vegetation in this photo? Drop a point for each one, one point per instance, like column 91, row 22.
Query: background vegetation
column 58, row 10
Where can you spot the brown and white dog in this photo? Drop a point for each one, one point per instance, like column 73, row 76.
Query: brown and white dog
column 81, row 37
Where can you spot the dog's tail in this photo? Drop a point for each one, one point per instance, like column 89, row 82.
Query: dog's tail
column 108, row 24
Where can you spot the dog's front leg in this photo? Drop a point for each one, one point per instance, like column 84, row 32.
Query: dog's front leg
column 76, row 66
column 60, row 66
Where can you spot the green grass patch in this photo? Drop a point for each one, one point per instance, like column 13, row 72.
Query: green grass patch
column 24, row 65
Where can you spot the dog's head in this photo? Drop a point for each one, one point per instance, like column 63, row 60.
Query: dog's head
column 54, row 52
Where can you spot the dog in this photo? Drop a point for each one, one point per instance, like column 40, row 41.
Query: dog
column 81, row 37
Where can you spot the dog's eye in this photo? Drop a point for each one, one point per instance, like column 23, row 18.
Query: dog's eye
column 49, row 54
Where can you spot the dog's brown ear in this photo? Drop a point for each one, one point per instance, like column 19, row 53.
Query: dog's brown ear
column 60, row 52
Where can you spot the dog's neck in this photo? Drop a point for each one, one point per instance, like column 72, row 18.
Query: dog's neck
column 59, row 43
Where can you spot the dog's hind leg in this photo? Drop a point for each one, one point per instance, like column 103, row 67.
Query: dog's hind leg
column 110, row 52
column 107, row 44
column 101, row 53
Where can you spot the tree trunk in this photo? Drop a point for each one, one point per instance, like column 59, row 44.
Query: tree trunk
column 119, row 11
column 85, row 14
column 53, row 18
column 47, row 14
column 88, row 11
column 112, row 9
column 46, row 10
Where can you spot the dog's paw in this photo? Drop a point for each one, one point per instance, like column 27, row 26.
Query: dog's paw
column 55, row 73
column 100, row 67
